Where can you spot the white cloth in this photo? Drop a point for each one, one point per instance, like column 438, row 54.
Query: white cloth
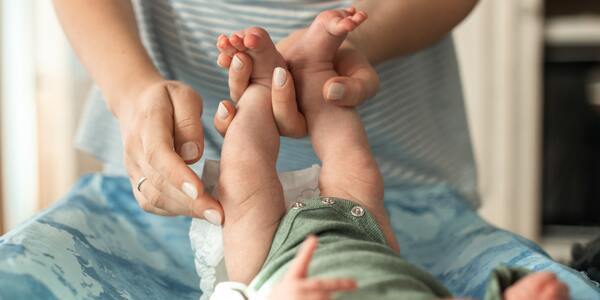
column 230, row 290
column 207, row 239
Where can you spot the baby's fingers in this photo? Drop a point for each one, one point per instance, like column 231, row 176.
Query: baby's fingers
column 299, row 268
column 329, row 285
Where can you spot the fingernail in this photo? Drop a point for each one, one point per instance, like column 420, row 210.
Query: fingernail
column 212, row 216
column 189, row 151
column 236, row 63
column 279, row 76
column 336, row 91
column 222, row 112
column 190, row 190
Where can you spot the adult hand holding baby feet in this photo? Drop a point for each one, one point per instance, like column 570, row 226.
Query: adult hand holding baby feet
column 252, row 200
column 356, row 79
column 337, row 134
column 237, row 51
column 349, row 170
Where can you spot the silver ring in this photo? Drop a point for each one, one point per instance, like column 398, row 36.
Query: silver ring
column 139, row 183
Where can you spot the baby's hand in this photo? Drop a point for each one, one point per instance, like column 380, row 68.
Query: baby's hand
column 296, row 285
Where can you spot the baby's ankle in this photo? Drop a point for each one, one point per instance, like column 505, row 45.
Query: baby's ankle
column 352, row 174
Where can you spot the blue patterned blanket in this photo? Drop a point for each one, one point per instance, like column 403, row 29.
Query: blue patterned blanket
column 97, row 243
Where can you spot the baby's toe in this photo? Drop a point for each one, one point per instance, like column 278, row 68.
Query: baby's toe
column 237, row 41
column 341, row 22
column 264, row 55
column 224, row 45
column 555, row 290
column 256, row 38
column 224, row 60
column 359, row 17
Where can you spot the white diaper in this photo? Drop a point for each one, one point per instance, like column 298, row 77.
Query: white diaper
column 207, row 239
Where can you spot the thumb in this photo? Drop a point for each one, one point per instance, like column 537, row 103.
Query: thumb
column 224, row 116
column 351, row 90
column 357, row 82
column 187, row 126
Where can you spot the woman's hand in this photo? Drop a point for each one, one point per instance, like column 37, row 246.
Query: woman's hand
column 358, row 81
column 290, row 121
column 162, row 133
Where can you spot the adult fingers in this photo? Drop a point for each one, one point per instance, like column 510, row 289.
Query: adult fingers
column 357, row 82
column 225, row 114
column 239, row 75
column 147, row 203
column 299, row 268
column 168, row 172
column 187, row 126
column 290, row 121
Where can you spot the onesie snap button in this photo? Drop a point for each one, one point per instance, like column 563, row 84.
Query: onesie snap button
column 328, row 201
column 298, row 205
column 357, row 211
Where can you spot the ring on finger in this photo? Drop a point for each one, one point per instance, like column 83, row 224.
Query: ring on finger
column 139, row 183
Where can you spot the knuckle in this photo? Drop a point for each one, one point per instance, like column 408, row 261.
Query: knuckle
column 146, row 205
column 152, row 156
column 183, row 93
column 158, row 181
column 188, row 122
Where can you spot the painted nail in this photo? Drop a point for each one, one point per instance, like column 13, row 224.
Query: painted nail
column 336, row 91
column 189, row 151
column 236, row 64
column 279, row 77
column 212, row 216
column 222, row 112
column 190, row 190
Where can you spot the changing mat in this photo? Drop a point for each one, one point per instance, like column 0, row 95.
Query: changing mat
column 97, row 243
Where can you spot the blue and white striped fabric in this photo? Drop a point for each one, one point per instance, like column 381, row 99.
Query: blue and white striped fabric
column 416, row 124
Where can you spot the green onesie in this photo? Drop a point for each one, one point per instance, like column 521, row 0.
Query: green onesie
column 351, row 245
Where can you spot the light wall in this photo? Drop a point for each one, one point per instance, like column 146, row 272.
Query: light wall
column 19, row 154
column 44, row 90
column 500, row 47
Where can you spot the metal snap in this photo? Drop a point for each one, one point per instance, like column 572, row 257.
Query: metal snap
column 298, row 205
column 328, row 201
column 357, row 211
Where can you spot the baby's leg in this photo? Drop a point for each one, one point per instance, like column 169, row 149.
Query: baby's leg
column 337, row 134
column 249, row 189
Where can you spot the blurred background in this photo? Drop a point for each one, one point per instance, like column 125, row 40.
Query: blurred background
column 531, row 78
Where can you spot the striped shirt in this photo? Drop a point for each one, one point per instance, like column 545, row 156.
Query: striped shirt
column 416, row 124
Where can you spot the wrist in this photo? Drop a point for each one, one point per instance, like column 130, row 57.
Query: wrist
column 122, row 96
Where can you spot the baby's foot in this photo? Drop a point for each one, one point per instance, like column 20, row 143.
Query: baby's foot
column 257, row 43
column 539, row 286
column 326, row 34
